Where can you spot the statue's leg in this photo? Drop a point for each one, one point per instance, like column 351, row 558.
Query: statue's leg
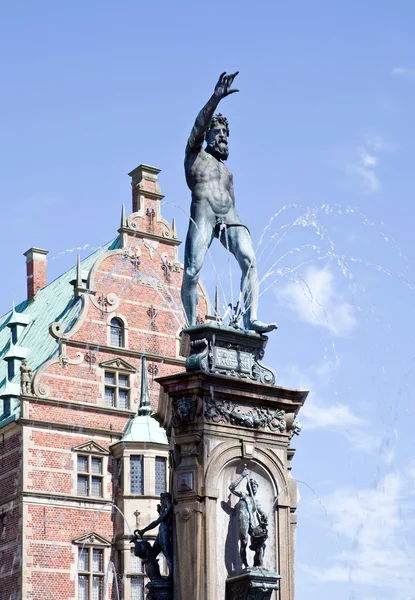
column 242, row 552
column 199, row 237
column 238, row 240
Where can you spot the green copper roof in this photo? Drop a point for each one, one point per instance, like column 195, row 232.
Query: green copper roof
column 55, row 302
column 143, row 428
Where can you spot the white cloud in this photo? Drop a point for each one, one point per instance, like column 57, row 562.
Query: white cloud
column 377, row 529
column 406, row 72
column 334, row 415
column 316, row 415
column 315, row 301
column 364, row 167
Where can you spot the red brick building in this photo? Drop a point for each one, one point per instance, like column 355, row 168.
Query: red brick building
column 76, row 436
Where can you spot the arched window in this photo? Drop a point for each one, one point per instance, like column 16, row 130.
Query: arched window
column 117, row 333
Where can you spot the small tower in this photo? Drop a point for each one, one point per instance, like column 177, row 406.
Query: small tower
column 140, row 475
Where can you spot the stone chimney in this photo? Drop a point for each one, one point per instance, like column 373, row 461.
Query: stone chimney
column 144, row 182
column 35, row 270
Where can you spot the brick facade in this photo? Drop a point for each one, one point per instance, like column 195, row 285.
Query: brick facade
column 44, row 519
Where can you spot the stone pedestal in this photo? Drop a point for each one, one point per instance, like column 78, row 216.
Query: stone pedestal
column 160, row 589
column 220, row 415
column 252, row 584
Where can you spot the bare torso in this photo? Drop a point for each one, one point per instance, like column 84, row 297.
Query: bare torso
column 211, row 184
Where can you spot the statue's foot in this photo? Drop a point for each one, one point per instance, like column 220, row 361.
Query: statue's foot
column 260, row 327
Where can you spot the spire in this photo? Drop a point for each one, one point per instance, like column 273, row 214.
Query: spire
column 145, row 406
column 78, row 272
column 173, row 226
column 123, row 217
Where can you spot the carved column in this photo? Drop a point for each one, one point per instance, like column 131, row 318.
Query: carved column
column 218, row 419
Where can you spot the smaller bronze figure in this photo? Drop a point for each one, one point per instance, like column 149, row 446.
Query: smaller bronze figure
column 252, row 520
column 25, row 379
column 163, row 542
column 144, row 550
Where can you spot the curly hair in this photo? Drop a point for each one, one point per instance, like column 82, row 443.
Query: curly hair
column 218, row 119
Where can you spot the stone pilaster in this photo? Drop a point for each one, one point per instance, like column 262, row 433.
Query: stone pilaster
column 218, row 422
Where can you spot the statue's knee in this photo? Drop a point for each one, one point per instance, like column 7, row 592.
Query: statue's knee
column 248, row 263
column 192, row 274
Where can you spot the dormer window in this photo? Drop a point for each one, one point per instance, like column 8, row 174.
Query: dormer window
column 117, row 334
column 117, row 389
column 118, row 377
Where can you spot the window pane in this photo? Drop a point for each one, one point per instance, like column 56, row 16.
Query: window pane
column 82, row 587
column 122, row 399
column 117, row 333
column 82, row 559
column 110, row 378
column 97, row 587
column 96, row 487
column 82, row 485
column 109, row 396
column 160, row 474
column 83, row 464
column 136, row 565
column 136, row 475
column 96, row 465
column 123, row 380
column 97, row 560
column 137, row 588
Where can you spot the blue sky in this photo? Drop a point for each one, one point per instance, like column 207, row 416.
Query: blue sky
column 324, row 119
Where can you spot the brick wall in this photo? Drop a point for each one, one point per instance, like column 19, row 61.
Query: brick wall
column 40, row 464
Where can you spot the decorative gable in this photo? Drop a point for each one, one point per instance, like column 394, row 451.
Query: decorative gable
column 91, row 447
column 118, row 364
column 92, row 539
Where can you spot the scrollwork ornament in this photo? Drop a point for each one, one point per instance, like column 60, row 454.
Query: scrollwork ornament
column 41, row 390
column 106, row 303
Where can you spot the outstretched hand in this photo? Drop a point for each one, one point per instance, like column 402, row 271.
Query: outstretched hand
column 223, row 87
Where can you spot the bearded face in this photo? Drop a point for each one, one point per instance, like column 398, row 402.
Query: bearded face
column 217, row 143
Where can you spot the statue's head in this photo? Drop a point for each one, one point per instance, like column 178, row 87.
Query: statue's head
column 252, row 486
column 165, row 500
column 217, row 137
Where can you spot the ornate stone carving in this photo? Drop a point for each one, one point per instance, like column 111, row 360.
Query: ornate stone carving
column 296, row 427
column 222, row 411
column 41, row 390
column 64, row 359
column 25, row 379
column 106, row 302
column 184, row 410
column 90, row 447
column 225, row 352
column 254, row 584
column 151, row 246
column 151, row 215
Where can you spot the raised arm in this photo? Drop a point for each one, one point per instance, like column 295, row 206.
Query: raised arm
column 234, row 485
column 197, row 135
column 154, row 524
